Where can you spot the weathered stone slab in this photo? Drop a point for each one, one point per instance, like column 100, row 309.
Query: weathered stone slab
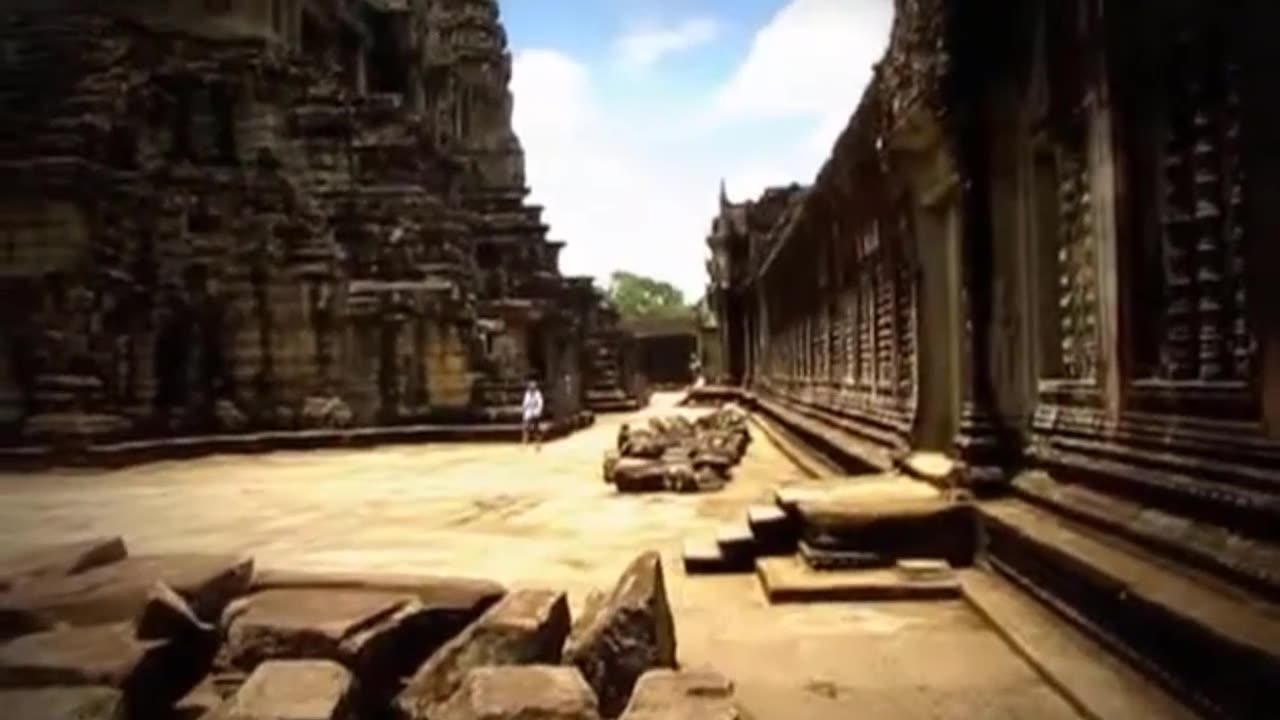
column 683, row 695
column 525, row 627
column 96, row 655
column 63, row 703
column 535, row 692
column 380, row 636
column 152, row 674
column 302, row 624
column 787, row 579
column 461, row 593
column 631, row 632
column 117, row 592
column 840, row 492
column 639, row 475
column 167, row 616
column 293, row 690
column 199, row 703
column 894, row 529
column 59, row 560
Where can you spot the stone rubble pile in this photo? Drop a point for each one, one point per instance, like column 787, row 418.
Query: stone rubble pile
column 91, row 633
column 677, row 454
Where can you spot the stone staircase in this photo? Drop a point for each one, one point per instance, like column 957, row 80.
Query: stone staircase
column 870, row 537
column 1192, row 629
column 1184, row 600
column 606, row 392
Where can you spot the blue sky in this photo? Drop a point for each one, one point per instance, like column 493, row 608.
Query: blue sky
column 631, row 112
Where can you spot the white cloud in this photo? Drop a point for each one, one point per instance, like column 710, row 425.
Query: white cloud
column 636, row 189
column 814, row 57
column 644, row 48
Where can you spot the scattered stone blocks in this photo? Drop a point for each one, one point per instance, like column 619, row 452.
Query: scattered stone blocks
column 541, row 692
column 678, row 455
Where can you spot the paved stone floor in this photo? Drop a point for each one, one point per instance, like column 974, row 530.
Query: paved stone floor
column 547, row 518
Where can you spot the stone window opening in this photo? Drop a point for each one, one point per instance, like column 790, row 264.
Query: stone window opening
column 487, row 256
column 387, row 71
column 222, row 104
column 122, row 148
column 181, row 147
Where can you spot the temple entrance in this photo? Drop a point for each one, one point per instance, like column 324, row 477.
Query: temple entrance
column 940, row 325
column 536, row 353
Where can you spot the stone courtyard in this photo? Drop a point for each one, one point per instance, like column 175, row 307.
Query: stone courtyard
column 529, row 518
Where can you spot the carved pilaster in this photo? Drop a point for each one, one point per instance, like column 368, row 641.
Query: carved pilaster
column 1077, row 270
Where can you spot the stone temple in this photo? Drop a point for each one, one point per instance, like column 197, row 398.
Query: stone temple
column 224, row 216
column 1045, row 248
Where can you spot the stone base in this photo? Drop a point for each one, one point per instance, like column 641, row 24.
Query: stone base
column 788, row 580
column 124, row 454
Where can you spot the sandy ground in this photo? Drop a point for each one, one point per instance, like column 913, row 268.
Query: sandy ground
column 547, row 518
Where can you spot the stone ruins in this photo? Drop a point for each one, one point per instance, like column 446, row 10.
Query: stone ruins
column 1045, row 247
column 91, row 632
column 234, row 217
column 678, row 454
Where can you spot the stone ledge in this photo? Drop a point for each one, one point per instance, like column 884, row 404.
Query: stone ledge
column 790, row 580
column 831, row 439
column 1212, row 645
column 124, row 454
column 1253, row 563
column 1099, row 685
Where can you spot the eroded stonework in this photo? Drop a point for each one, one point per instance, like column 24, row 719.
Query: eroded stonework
column 229, row 217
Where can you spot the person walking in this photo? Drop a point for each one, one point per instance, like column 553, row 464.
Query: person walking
column 531, row 410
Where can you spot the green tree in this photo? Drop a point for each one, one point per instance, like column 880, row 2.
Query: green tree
column 636, row 296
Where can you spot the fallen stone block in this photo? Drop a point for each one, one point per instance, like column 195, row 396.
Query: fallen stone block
column 199, row 703
column 166, row 616
column 525, row 627
column 533, row 692
column 465, row 596
column 637, row 475
column 628, row 634
column 152, row 674
column 895, row 529
column 683, row 695
column 611, row 459
column 708, row 480
column 60, row 560
column 117, row 592
column 379, row 636
column 293, row 690
column 63, row 703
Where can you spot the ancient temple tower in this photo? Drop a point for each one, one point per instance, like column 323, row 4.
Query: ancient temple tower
column 237, row 216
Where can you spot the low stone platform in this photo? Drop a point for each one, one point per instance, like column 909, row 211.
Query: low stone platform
column 126, row 453
column 789, row 580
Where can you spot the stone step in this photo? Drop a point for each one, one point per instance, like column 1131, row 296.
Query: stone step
column 703, row 556
column 790, row 580
column 1250, row 562
column 1250, row 510
column 1212, row 644
column 737, row 542
column 773, row 529
column 1098, row 684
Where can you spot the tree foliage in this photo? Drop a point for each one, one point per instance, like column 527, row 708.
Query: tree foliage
column 636, row 296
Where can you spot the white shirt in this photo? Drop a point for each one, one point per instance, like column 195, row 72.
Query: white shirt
column 532, row 404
